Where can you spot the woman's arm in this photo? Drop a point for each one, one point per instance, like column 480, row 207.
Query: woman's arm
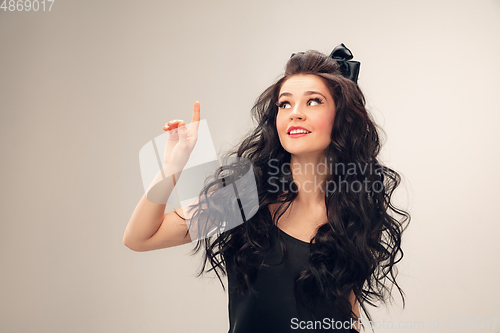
column 150, row 228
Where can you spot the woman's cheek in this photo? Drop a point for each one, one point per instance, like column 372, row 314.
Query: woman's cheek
column 281, row 128
column 325, row 126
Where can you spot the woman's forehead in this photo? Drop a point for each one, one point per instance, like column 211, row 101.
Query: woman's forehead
column 303, row 82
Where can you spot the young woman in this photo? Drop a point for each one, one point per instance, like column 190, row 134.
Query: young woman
column 325, row 237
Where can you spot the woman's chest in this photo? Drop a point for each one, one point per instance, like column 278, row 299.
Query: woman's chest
column 299, row 222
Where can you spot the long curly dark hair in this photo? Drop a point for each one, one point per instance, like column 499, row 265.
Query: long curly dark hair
column 358, row 248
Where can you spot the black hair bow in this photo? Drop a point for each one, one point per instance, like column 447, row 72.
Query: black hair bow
column 343, row 56
column 349, row 69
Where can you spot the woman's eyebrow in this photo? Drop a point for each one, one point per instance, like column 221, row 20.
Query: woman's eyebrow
column 307, row 93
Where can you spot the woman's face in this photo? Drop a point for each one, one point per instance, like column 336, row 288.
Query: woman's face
column 305, row 102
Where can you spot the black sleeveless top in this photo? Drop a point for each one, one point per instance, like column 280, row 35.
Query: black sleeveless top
column 275, row 309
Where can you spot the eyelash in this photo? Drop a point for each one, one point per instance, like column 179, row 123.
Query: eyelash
column 317, row 100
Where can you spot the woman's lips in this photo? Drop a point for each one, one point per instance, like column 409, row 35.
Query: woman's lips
column 298, row 135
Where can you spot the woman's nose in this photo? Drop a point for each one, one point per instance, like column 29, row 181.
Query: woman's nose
column 297, row 113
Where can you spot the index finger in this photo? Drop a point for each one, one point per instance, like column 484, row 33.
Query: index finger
column 196, row 116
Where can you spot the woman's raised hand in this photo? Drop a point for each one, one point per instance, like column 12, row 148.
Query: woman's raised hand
column 181, row 140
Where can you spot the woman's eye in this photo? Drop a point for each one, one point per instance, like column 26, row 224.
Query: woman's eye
column 283, row 104
column 316, row 100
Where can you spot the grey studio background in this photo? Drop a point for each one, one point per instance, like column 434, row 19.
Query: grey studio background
column 84, row 86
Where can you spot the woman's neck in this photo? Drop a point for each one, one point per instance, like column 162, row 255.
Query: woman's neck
column 310, row 172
